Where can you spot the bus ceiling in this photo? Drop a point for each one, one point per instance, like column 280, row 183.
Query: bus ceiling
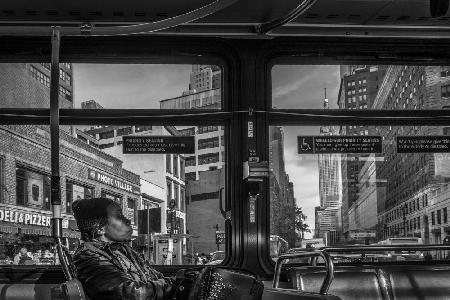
column 228, row 18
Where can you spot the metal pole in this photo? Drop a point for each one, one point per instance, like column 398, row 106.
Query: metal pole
column 148, row 232
column 55, row 195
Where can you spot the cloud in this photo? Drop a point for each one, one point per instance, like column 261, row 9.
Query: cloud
column 130, row 85
column 284, row 90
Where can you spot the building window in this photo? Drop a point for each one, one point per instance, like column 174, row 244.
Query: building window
column 124, row 131
column 208, row 143
column 187, row 131
column 205, row 129
column 208, row 158
column 39, row 76
column 182, row 169
column 64, row 76
column 65, row 93
column 433, row 221
column 131, row 210
column 76, row 192
column 205, row 196
column 190, row 176
column 445, row 90
column 182, row 199
column 176, row 194
column 169, row 191
column 32, row 189
column 168, row 162
column 444, row 215
column 190, row 161
column 106, row 135
column 175, row 165
column 438, row 213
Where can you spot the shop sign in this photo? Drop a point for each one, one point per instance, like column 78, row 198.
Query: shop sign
column 180, row 214
column 106, row 179
column 20, row 217
column 158, row 144
column 339, row 144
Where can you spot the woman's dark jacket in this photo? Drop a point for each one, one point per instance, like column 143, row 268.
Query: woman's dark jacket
column 115, row 271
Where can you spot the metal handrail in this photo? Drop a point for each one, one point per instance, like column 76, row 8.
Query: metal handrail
column 297, row 12
column 88, row 29
column 328, row 265
column 403, row 247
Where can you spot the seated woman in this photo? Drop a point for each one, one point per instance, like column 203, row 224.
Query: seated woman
column 105, row 264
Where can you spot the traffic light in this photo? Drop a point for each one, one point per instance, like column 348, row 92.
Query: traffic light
column 446, row 240
column 153, row 218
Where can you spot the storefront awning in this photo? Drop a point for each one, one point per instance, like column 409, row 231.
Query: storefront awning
column 8, row 229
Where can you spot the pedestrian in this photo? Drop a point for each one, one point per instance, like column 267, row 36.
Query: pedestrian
column 22, row 257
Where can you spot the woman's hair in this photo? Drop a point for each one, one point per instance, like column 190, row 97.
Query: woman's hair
column 91, row 215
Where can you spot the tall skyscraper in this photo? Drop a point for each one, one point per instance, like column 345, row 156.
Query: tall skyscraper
column 330, row 183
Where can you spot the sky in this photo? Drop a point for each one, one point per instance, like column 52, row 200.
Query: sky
column 142, row 86
column 303, row 87
column 128, row 86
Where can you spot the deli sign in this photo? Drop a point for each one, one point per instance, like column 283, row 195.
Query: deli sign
column 106, row 179
column 14, row 216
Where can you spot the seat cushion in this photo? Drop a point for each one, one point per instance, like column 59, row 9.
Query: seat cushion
column 347, row 285
column 421, row 284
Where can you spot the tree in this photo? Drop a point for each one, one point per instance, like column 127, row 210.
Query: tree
column 300, row 226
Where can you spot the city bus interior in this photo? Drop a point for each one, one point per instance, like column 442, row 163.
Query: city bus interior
column 249, row 40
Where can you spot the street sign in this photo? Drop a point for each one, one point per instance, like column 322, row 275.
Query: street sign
column 423, row 144
column 158, row 144
column 339, row 144
column 220, row 237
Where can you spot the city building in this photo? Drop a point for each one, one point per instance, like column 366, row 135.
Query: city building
column 330, row 185
column 362, row 214
column 27, row 85
column 203, row 212
column 282, row 201
column 417, row 191
column 359, row 87
column 90, row 104
column 204, row 93
column 86, row 172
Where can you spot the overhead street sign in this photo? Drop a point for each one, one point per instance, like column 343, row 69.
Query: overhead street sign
column 361, row 235
column 423, row 144
column 339, row 144
column 158, row 144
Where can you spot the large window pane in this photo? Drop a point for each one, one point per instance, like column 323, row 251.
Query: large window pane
column 361, row 87
column 377, row 193
column 148, row 86
column 189, row 206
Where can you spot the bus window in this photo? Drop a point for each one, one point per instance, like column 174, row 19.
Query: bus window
column 357, row 184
